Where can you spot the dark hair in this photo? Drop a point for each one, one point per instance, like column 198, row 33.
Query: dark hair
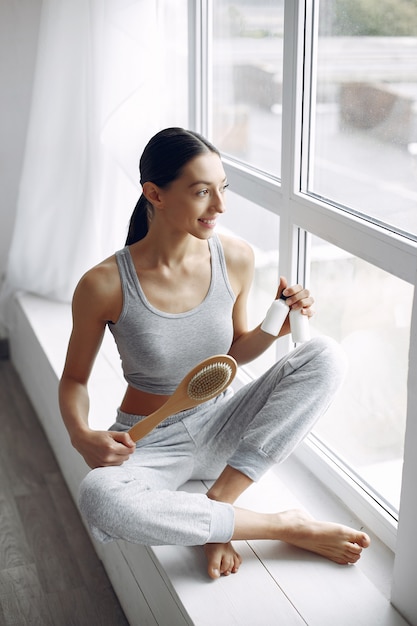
column 161, row 163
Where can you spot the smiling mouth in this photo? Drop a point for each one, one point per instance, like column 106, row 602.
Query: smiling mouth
column 208, row 222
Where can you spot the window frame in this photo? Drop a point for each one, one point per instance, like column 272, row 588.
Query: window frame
column 301, row 213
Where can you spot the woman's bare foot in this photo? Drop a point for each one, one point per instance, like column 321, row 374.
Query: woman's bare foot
column 222, row 559
column 336, row 542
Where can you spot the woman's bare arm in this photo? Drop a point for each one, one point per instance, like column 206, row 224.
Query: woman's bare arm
column 92, row 307
column 249, row 344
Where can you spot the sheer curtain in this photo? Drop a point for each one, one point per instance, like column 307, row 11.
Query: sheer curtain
column 96, row 102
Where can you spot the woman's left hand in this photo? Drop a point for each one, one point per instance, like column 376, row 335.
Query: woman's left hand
column 298, row 297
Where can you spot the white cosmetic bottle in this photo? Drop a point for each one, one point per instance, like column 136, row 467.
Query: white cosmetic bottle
column 275, row 317
column 300, row 326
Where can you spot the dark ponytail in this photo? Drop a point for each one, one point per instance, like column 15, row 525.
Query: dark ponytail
column 138, row 225
column 161, row 163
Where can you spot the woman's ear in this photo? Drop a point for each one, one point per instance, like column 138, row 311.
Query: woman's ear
column 152, row 194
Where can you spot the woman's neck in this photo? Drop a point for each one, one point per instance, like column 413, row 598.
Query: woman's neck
column 169, row 250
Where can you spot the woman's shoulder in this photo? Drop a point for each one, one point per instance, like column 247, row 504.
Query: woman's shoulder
column 102, row 276
column 240, row 262
column 238, row 253
column 100, row 289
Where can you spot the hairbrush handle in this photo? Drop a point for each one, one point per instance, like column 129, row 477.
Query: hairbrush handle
column 148, row 423
column 205, row 381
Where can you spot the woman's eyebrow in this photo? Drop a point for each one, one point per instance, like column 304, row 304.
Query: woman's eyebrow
column 205, row 182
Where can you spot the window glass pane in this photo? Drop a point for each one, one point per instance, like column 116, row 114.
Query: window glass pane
column 364, row 117
column 260, row 228
column 369, row 313
column 247, row 80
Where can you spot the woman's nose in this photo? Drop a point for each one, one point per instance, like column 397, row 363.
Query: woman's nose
column 219, row 204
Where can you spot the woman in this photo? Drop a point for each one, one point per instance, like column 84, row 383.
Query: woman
column 176, row 294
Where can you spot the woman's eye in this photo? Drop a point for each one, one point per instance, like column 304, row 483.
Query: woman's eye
column 204, row 192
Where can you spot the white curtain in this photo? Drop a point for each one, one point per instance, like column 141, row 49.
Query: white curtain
column 96, row 102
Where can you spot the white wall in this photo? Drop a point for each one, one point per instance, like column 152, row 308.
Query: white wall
column 19, row 25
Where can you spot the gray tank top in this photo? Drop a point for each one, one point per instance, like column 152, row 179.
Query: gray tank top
column 158, row 349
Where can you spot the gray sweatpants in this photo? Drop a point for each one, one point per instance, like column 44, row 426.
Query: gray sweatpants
column 250, row 430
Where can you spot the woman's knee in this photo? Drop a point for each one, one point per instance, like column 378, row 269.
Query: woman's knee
column 330, row 358
column 97, row 490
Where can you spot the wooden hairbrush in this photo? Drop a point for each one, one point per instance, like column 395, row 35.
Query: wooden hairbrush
column 204, row 382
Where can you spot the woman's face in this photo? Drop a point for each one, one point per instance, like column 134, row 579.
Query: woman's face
column 193, row 201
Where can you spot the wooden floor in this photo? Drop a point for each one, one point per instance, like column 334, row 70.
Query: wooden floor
column 49, row 571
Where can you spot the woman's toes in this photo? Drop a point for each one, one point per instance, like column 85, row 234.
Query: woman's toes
column 363, row 540
column 214, row 572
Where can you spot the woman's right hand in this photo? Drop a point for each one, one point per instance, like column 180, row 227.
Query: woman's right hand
column 103, row 448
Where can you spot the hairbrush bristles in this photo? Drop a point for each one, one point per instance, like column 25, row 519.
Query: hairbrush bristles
column 209, row 381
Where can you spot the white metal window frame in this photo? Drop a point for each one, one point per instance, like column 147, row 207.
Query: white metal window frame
column 391, row 252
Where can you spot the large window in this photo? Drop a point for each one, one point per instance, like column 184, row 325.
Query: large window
column 314, row 106
column 359, row 123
